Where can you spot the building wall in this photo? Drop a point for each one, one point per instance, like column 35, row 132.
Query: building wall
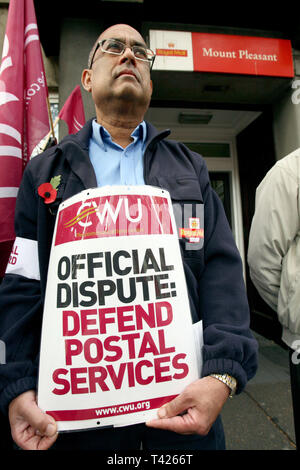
column 286, row 112
column 77, row 37
column 3, row 19
column 50, row 63
column 76, row 41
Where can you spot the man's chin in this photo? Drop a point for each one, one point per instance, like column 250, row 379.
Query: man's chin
column 130, row 93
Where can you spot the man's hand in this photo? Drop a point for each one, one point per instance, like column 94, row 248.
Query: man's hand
column 201, row 402
column 31, row 429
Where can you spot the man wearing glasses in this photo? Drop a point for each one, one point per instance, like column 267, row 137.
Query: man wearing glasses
column 119, row 147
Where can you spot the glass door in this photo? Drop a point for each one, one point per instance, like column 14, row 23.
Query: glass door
column 221, row 160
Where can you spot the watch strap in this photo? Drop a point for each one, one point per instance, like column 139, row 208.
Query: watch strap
column 227, row 380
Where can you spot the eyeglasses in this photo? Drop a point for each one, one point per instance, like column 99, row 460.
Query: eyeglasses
column 113, row 46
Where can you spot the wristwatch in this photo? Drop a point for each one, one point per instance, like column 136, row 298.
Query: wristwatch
column 227, row 380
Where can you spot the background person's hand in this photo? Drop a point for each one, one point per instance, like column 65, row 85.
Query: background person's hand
column 31, row 428
column 201, row 402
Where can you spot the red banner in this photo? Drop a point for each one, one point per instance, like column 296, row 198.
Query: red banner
column 116, row 216
column 107, row 411
column 72, row 111
column 24, row 119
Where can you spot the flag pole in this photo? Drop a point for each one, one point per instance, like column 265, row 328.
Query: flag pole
column 50, row 117
column 51, row 132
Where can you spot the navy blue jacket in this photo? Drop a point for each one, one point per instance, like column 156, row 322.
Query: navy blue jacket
column 213, row 272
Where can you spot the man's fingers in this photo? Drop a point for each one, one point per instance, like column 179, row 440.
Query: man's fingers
column 40, row 421
column 175, row 424
column 24, row 412
column 175, row 407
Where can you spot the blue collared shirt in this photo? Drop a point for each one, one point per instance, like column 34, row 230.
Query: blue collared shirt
column 113, row 164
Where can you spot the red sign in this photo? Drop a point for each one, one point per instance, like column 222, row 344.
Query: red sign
column 242, row 55
column 113, row 215
column 222, row 53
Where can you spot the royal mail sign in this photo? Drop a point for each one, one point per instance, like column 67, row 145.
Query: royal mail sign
column 222, row 53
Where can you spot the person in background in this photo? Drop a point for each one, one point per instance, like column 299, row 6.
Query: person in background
column 274, row 257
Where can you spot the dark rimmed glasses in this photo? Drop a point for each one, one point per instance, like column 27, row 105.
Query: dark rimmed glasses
column 116, row 47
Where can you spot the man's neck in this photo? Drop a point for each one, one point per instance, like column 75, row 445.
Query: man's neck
column 120, row 129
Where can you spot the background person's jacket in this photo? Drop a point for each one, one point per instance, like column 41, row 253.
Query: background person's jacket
column 274, row 244
column 213, row 272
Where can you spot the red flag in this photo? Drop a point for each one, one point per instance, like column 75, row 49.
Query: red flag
column 73, row 111
column 24, row 118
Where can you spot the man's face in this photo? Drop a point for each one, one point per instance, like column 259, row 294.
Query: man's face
column 120, row 77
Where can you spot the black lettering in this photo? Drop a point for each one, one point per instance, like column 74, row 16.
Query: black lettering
column 145, row 280
column 163, row 265
column 63, row 295
column 87, row 293
column 91, row 264
column 159, row 286
column 108, row 263
column 116, row 263
column 132, row 290
column 149, row 262
column 64, row 268
column 75, row 294
column 75, row 265
column 105, row 288
column 135, row 261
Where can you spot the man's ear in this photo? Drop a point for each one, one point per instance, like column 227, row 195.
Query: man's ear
column 86, row 80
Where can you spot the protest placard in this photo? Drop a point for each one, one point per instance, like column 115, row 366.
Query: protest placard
column 117, row 336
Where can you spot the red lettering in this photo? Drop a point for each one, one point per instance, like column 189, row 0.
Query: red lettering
column 131, row 347
column 148, row 317
column 73, row 329
column 131, row 377
column 122, row 319
column 138, row 372
column 98, row 349
column 76, row 380
column 73, row 347
column 103, row 319
column 85, row 322
column 148, row 345
column 184, row 367
column 117, row 379
column 159, row 307
column 159, row 369
column 113, row 348
column 162, row 344
column 97, row 375
column 60, row 381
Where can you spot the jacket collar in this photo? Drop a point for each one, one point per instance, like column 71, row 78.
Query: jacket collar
column 75, row 148
column 79, row 160
column 82, row 137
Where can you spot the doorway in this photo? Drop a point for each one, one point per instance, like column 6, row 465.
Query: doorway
column 238, row 148
column 212, row 133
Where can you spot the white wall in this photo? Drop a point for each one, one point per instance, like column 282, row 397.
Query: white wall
column 286, row 122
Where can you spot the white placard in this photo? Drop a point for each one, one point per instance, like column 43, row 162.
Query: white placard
column 117, row 336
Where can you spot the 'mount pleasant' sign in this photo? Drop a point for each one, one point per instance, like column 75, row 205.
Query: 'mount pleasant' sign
column 222, row 53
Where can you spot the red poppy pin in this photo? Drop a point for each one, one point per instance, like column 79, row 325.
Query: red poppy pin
column 48, row 191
